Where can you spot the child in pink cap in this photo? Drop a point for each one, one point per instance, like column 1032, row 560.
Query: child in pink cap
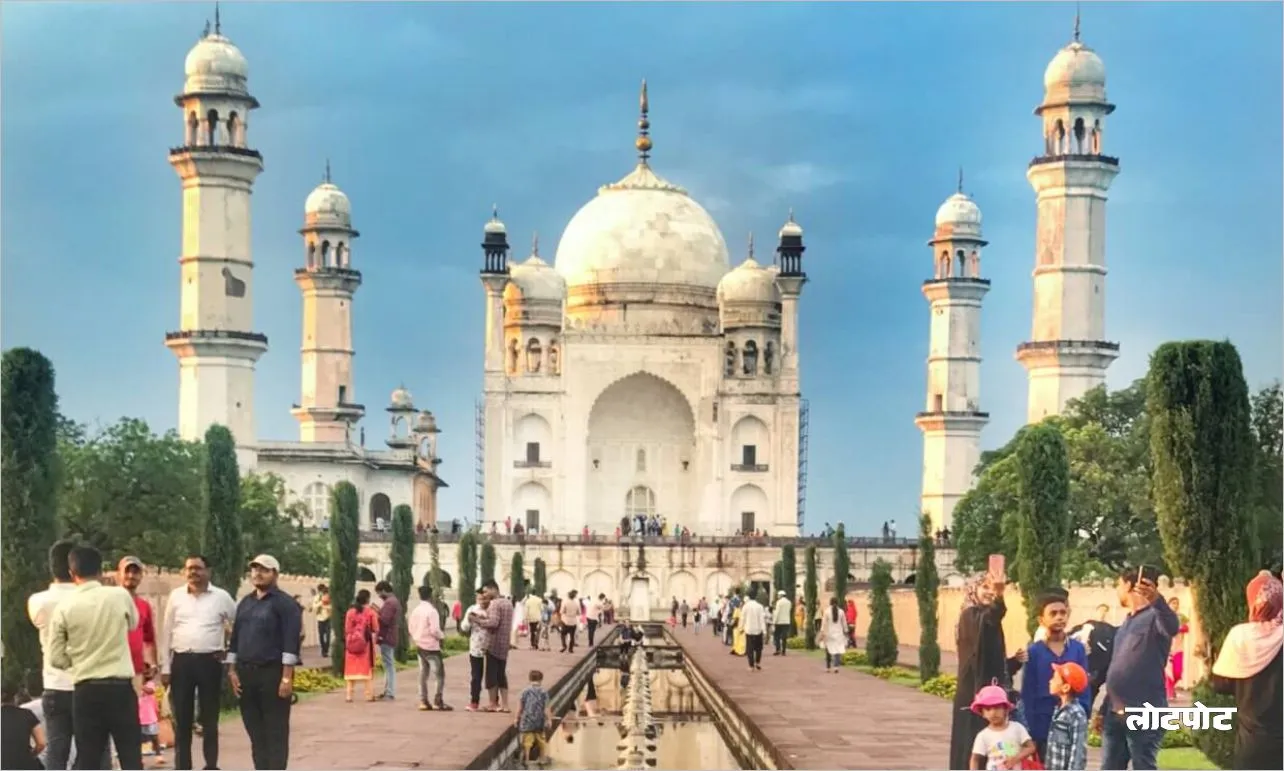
column 1003, row 744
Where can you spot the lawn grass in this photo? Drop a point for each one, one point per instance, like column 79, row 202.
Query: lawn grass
column 1184, row 759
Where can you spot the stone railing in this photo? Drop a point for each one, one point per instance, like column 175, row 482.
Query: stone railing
column 742, row 541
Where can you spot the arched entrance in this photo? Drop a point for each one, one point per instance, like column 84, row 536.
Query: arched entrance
column 641, row 444
column 380, row 512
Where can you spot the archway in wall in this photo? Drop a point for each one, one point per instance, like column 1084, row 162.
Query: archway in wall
column 683, row 586
column 750, row 444
column 532, row 441
column 641, row 432
column 599, row 582
column 380, row 511
column 365, row 574
column 445, row 578
column 717, row 584
column 749, row 509
column 532, row 505
column 561, row 582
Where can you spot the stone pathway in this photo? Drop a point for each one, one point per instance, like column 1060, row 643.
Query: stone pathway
column 822, row 720
column 328, row 733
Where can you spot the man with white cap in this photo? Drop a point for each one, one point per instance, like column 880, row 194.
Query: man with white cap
column 266, row 637
column 781, row 618
column 142, row 638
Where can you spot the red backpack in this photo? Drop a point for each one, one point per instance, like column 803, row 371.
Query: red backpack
column 355, row 642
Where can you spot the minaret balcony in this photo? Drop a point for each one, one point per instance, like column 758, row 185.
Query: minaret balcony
column 952, row 420
column 957, row 281
column 215, row 149
column 216, row 342
column 344, row 412
column 1093, row 354
column 1056, row 346
column 1074, row 157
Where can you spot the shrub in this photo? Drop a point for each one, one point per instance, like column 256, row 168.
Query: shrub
column 315, row 681
column 796, row 643
column 883, row 673
column 945, row 686
column 855, row 659
column 455, row 644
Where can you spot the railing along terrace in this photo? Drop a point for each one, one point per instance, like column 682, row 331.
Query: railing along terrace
column 552, row 539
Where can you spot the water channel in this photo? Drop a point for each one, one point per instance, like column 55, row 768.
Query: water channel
column 606, row 719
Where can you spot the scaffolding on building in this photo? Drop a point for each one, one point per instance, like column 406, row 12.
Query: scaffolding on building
column 804, row 411
column 479, row 512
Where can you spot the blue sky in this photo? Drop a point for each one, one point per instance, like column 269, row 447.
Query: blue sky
column 855, row 115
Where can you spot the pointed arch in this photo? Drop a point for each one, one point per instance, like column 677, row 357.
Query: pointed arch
column 211, row 127
column 750, row 358
column 234, row 129
column 193, row 129
column 534, row 352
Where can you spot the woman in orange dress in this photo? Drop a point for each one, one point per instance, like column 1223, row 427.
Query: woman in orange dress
column 360, row 629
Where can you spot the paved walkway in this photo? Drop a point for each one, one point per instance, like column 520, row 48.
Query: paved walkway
column 821, row 720
column 328, row 733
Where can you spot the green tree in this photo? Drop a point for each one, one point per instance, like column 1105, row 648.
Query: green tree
column 1042, row 512
column 927, row 583
column 1202, row 448
column 467, row 569
column 881, row 646
column 777, row 578
column 486, row 567
column 29, row 491
column 271, row 525
column 789, row 558
column 811, row 596
column 436, row 578
column 126, row 490
column 344, row 535
column 1268, row 417
column 517, row 578
column 222, row 543
column 403, row 570
column 540, row 580
column 842, row 564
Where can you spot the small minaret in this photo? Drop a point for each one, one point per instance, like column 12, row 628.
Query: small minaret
column 215, row 342
column 952, row 420
column 494, row 276
column 1068, row 353
column 790, row 281
column 327, row 410
column 402, row 420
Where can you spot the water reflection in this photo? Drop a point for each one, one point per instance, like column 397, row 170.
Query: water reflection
column 686, row 737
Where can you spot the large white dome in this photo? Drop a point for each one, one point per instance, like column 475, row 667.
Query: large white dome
column 642, row 229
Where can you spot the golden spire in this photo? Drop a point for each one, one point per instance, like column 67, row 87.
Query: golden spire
column 643, row 141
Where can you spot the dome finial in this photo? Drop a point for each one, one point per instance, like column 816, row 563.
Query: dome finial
column 535, row 244
column 494, row 212
column 218, row 23
column 791, row 214
column 1076, row 22
column 751, row 244
column 643, row 142
column 206, row 32
column 960, row 179
column 327, row 171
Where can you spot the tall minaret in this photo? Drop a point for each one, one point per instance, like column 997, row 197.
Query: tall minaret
column 494, row 277
column 215, row 346
column 790, row 280
column 952, row 420
column 327, row 411
column 1068, row 353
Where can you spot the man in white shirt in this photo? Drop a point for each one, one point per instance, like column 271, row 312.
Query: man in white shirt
column 197, row 619
column 55, row 702
column 594, row 616
column 753, row 616
column 781, row 619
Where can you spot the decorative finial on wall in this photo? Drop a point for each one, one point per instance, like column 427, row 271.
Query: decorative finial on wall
column 327, row 171
column 1076, row 22
column 218, row 22
column 643, row 141
column 535, row 244
column 960, row 179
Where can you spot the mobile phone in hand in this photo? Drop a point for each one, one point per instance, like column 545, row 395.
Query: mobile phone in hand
column 1148, row 573
column 997, row 565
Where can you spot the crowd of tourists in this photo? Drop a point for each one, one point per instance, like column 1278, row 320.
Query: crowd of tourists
column 107, row 682
column 1045, row 724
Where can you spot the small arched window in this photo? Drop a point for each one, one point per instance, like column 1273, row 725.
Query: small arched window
column 751, row 358
column 211, row 127
column 768, row 357
column 974, row 264
column 641, row 461
column 943, row 266
column 514, row 355
column 1080, row 134
column 1096, row 137
column 193, row 129
column 554, row 358
column 962, row 263
column 639, row 502
column 729, row 364
column 325, row 254
column 533, row 352
column 312, row 256
column 341, row 255
column 316, row 497
column 1060, row 135
column 234, row 130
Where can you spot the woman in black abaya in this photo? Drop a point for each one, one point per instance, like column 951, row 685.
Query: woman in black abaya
column 982, row 660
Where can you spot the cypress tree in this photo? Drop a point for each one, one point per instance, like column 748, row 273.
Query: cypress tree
column 882, row 646
column 344, row 535
column 1043, row 513
column 1202, row 454
column 436, row 578
column 811, row 595
column 222, row 543
column 403, row 563
column 487, row 565
column 927, row 583
column 777, row 579
column 789, row 558
column 842, row 564
column 29, row 490
column 517, row 578
column 541, row 577
column 467, row 569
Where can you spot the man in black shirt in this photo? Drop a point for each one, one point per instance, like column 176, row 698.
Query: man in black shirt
column 263, row 653
column 1099, row 638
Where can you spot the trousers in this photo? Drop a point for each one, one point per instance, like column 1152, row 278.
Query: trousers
column 265, row 714
column 105, row 710
column 193, row 677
